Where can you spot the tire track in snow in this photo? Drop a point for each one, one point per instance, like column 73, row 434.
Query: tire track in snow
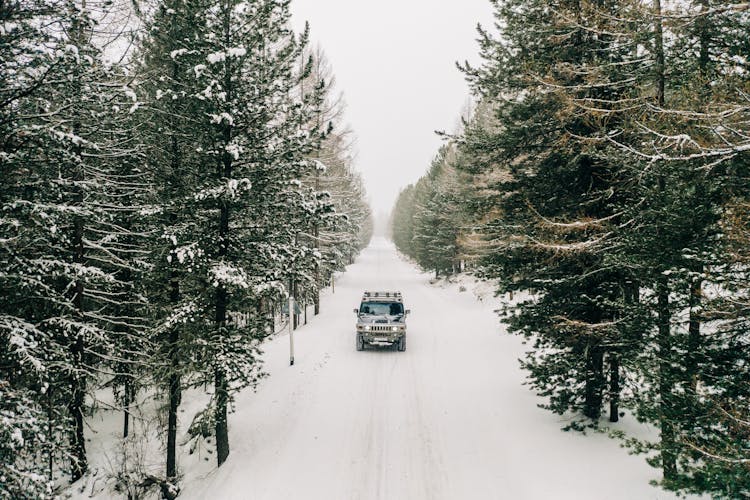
column 447, row 419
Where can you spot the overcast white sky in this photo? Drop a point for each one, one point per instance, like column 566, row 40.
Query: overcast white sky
column 395, row 62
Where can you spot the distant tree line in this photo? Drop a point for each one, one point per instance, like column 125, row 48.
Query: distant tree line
column 154, row 214
column 426, row 218
column 604, row 175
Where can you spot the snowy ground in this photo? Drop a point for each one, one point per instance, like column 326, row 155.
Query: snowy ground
column 447, row 419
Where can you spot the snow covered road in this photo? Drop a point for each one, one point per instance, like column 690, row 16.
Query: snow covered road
column 447, row 419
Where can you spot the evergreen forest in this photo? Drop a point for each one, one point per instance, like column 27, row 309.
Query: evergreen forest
column 600, row 180
column 167, row 179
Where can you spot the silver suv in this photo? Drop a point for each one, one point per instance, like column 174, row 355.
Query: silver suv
column 381, row 320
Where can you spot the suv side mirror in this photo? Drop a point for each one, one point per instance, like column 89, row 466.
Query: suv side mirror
column 356, row 311
column 408, row 311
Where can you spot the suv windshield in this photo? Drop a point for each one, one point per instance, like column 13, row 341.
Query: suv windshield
column 382, row 308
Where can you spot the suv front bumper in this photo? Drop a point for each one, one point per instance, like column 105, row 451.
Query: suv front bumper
column 381, row 337
column 381, row 333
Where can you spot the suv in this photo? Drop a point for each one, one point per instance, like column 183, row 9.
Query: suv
column 381, row 320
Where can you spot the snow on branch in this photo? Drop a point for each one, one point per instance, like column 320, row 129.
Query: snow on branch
column 226, row 274
column 715, row 456
column 737, row 7
column 222, row 55
column 21, row 339
column 577, row 225
column 686, row 113
column 719, row 154
column 232, row 189
column 578, row 246
column 583, row 325
column 183, row 253
column 626, row 82
column 181, row 314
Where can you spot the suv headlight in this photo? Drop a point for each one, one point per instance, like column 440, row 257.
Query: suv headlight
column 394, row 328
column 368, row 327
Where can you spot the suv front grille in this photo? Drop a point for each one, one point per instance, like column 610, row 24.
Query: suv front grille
column 378, row 328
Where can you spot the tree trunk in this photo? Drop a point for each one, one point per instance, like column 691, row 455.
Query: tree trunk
column 593, row 395
column 704, row 37
column 174, row 403
column 666, row 383
column 659, row 53
column 316, row 235
column 222, row 297
column 222, row 429
column 694, row 334
column 293, row 313
column 126, row 370
column 220, row 383
column 126, row 408
column 266, row 314
column 696, row 291
column 79, row 463
column 630, row 294
column 77, row 379
column 316, row 296
column 50, row 440
column 614, row 387
column 174, row 381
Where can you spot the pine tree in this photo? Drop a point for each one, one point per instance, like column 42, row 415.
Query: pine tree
column 347, row 229
column 560, row 194
column 66, row 197
column 402, row 221
column 689, row 188
column 436, row 215
column 250, row 199
column 641, row 230
column 168, row 59
column 26, row 344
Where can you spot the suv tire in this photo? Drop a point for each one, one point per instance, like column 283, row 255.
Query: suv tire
column 360, row 342
column 402, row 344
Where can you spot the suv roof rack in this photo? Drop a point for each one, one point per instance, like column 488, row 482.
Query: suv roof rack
column 383, row 295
